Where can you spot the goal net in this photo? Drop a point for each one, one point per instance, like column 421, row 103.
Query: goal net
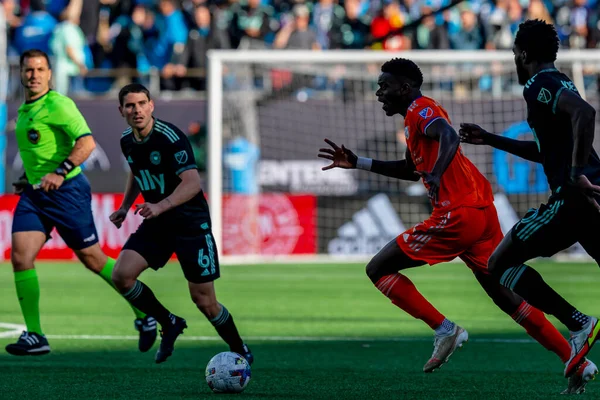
column 269, row 112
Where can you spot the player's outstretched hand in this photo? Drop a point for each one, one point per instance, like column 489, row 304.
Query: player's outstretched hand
column 148, row 210
column 589, row 190
column 118, row 217
column 340, row 157
column 51, row 181
column 433, row 182
column 472, row 134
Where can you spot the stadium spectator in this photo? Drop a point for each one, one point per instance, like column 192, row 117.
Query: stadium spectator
column 35, row 30
column 538, row 10
column 500, row 31
column 89, row 19
column 430, row 35
column 470, row 36
column 201, row 38
column 152, row 35
column 297, row 34
column 578, row 22
column 390, row 18
column 68, row 46
column 250, row 24
column 355, row 31
column 126, row 36
column 170, row 44
column 13, row 20
column 327, row 18
column 56, row 7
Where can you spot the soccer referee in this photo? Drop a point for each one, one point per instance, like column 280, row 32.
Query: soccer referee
column 54, row 140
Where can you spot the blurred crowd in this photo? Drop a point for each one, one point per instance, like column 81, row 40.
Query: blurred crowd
column 173, row 36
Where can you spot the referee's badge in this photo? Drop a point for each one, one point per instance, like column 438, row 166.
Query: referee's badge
column 33, row 136
column 155, row 157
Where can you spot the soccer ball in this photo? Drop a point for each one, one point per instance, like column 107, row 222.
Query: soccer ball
column 228, row 372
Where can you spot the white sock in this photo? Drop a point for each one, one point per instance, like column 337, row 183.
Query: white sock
column 445, row 328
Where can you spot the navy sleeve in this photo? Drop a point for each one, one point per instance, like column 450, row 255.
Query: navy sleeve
column 544, row 90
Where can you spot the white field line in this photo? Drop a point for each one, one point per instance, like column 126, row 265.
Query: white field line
column 14, row 330
column 285, row 338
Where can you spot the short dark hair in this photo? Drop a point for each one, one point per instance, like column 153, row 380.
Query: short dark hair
column 403, row 68
column 538, row 39
column 34, row 53
column 132, row 88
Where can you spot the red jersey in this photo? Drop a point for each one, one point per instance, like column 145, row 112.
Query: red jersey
column 461, row 185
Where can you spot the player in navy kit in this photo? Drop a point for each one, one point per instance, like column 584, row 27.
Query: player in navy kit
column 176, row 220
column 563, row 125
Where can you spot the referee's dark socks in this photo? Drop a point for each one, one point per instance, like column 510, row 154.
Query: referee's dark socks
column 529, row 284
column 142, row 297
column 226, row 328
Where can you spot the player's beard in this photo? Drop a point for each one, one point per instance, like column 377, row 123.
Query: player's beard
column 522, row 74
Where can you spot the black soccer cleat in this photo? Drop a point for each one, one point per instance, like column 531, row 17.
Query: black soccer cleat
column 29, row 344
column 147, row 328
column 247, row 354
column 169, row 334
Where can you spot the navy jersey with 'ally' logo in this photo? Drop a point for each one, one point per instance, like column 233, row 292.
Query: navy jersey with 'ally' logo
column 156, row 163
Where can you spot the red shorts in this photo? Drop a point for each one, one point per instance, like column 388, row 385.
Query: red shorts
column 469, row 233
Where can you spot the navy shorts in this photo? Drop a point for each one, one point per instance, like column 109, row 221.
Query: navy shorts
column 68, row 209
column 566, row 219
column 195, row 248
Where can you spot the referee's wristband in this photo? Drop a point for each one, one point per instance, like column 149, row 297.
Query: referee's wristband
column 65, row 167
column 364, row 163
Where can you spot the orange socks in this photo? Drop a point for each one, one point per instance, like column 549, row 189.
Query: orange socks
column 538, row 327
column 403, row 293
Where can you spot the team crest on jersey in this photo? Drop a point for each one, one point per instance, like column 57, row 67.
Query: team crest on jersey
column 33, row 136
column 406, row 132
column 544, row 96
column 155, row 157
column 181, row 157
column 426, row 113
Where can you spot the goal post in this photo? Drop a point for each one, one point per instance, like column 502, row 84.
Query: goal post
column 269, row 111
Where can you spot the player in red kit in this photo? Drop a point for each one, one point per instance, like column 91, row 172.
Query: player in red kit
column 464, row 222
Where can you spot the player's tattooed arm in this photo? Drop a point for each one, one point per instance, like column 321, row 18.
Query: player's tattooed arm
column 583, row 117
column 474, row 134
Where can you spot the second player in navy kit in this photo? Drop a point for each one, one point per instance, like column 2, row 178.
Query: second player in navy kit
column 563, row 126
column 176, row 220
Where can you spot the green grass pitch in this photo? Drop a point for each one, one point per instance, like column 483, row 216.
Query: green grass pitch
column 317, row 332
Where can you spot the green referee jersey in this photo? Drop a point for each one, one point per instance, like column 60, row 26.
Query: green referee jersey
column 46, row 131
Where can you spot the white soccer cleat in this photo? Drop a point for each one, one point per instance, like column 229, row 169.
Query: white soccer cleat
column 581, row 344
column 444, row 346
column 585, row 372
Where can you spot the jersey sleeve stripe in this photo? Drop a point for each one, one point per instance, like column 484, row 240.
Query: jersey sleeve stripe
column 180, row 170
column 429, row 123
column 127, row 132
column 556, row 99
column 84, row 135
column 168, row 132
